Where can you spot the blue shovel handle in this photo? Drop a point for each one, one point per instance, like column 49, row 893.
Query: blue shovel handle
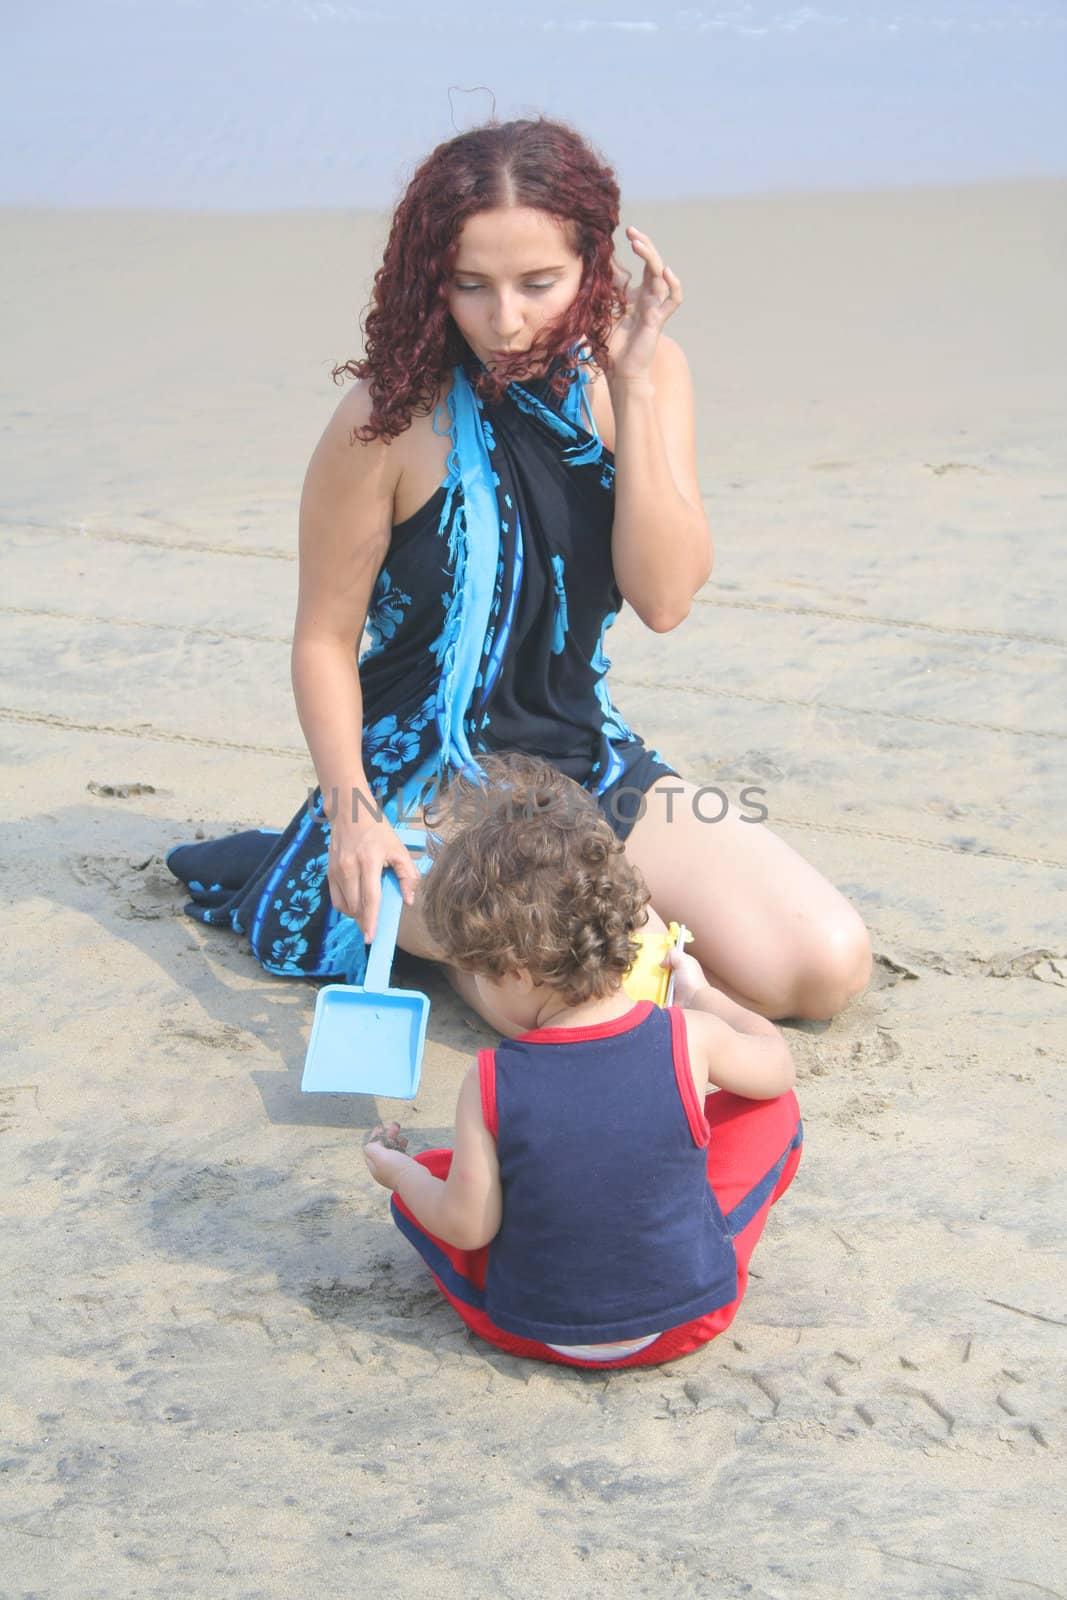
column 383, row 946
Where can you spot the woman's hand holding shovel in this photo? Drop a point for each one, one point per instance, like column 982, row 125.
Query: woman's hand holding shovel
column 360, row 850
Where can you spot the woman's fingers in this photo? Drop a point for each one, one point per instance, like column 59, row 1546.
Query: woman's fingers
column 658, row 277
column 355, row 874
column 347, row 887
column 344, row 892
column 642, row 244
column 674, row 284
column 360, row 892
column 344, row 874
column 407, row 873
column 371, row 900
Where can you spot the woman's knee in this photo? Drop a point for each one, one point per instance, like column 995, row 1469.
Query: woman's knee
column 834, row 967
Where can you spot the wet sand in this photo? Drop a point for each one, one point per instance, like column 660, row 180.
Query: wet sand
column 226, row 1371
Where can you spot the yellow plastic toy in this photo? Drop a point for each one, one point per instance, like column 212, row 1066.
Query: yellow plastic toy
column 648, row 978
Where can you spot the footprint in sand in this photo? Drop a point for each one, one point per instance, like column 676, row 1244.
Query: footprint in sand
column 959, row 1393
column 144, row 887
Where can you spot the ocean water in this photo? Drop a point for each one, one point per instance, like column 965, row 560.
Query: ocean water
column 263, row 104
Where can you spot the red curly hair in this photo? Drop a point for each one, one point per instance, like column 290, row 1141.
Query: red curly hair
column 410, row 339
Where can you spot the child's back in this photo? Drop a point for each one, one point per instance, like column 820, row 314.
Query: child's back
column 608, row 1231
column 597, row 1209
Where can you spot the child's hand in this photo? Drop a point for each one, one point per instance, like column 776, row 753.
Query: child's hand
column 689, row 979
column 384, row 1154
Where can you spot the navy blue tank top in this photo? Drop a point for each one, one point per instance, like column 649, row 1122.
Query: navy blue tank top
column 610, row 1228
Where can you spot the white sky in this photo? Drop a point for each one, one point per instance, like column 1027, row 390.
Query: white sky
column 272, row 103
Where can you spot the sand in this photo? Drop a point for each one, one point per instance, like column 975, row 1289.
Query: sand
column 226, row 1373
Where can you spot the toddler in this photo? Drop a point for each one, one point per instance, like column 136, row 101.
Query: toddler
column 614, row 1163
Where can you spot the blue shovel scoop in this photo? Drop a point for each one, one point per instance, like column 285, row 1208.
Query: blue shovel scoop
column 367, row 1038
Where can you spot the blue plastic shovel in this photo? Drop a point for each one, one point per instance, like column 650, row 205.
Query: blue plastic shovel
column 367, row 1038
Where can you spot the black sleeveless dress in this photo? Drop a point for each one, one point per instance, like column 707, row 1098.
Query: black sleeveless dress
column 540, row 688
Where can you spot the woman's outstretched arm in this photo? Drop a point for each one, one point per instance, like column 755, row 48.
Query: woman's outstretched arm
column 345, row 524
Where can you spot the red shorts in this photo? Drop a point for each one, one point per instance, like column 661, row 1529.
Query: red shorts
column 752, row 1155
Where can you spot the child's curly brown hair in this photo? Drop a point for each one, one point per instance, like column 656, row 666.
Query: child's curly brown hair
column 531, row 878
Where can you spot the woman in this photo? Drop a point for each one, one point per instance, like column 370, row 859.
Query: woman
column 516, row 460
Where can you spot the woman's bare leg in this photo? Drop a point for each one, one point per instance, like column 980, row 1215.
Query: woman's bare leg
column 770, row 931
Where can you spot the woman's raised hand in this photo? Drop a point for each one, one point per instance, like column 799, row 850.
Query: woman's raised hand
column 360, row 850
column 633, row 339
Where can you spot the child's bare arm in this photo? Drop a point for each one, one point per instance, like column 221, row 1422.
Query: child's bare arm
column 693, row 992
column 465, row 1208
column 754, row 1065
column 739, row 1050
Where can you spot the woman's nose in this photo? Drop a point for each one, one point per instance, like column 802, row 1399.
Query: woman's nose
column 506, row 318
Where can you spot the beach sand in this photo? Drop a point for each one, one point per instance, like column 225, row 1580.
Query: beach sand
column 226, row 1373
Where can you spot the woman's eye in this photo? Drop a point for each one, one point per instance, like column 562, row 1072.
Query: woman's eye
column 540, row 287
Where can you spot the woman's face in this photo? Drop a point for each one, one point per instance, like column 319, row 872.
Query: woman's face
column 515, row 273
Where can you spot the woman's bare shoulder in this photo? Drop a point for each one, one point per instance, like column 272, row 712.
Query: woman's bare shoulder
column 406, row 469
column 355, row 408
column 670, row 375
column 353, row 482
column 340, row 438
column 352, row 412
column 670, row 367
column 356, row 404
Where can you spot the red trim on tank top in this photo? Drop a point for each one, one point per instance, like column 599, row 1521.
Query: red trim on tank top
column 596, row 1030
column 487, row 1084
column 698, row 1122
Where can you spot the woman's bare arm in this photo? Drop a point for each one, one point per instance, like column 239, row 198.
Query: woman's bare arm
column 661, row 543
column 346, row 513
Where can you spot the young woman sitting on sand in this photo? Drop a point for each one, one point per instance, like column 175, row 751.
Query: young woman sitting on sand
column 516, row 460
column 601, row 1205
